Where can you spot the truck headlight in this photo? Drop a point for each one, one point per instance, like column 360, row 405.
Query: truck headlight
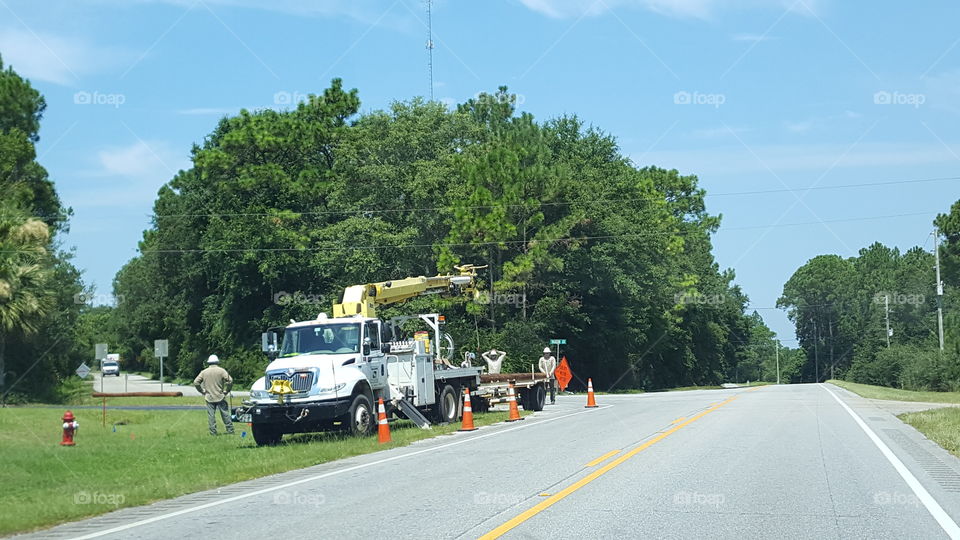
column 329, row 389
column 259, row 394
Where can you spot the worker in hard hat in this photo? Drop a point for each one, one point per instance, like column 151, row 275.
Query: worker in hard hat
column 214, row 383
column 494, row 360
column 548, row 365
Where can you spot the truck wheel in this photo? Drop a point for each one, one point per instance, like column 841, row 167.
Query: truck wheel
column 448, row 406
column 535, row 398
column 360, row 421
column 266, row 435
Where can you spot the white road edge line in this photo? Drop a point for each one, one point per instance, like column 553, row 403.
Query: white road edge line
column 946, row 522
column 322, row 476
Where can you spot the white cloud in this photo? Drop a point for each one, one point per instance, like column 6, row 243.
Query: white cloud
column 55, row 58
column 698, row 9
column 140, row 160
column 125, row 176
column 750, row 37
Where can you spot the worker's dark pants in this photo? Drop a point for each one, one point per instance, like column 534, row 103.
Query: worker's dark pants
column 212, row 409
column 553, row 390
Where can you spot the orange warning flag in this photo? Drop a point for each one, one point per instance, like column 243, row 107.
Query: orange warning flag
column 562, row 373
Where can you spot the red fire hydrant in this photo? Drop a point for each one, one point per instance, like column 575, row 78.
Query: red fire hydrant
column 70, row 426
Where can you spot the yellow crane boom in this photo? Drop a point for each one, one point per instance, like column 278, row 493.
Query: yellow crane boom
column 363, row 299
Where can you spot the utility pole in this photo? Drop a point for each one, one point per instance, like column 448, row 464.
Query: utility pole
column 936, row 251
column 816, row 351
column 776, row 348
column 886, row 307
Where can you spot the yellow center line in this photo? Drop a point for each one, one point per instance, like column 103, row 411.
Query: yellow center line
column 681, row 419
column 560, row 495
column 602, row 458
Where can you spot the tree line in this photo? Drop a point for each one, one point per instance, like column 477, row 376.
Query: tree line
column 280, row 210
column 283, row 209
column 872, row 318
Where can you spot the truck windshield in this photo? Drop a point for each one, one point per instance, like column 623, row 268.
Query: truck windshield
column 321, row 339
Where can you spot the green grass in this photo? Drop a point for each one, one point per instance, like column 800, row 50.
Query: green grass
column 941, row 426
column 152, row 455
column 882, row 392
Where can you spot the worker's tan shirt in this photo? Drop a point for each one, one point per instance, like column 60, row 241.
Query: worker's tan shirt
column 548, row 365
column 214, row 383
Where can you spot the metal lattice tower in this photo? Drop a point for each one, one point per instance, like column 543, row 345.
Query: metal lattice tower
column 430, row 48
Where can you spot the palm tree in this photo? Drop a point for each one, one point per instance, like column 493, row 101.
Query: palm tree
column 25, row 296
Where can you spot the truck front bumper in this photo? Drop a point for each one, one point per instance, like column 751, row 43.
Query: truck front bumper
column 293, row 414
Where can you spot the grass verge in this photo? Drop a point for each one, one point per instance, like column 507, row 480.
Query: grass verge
column 145, row 456
column 941, row 426
column 882, row 392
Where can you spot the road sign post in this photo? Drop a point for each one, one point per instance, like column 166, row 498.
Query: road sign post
column 160, row 350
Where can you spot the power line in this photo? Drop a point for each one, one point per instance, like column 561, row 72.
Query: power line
column 435, row 209
column 505, row 242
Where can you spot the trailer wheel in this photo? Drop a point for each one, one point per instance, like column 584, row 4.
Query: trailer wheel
column 266, row 435
column 360, row 419
column 448, row 406
column 535, row 398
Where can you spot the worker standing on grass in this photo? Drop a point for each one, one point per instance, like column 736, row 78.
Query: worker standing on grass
column 214, row 383
column 494, row 359
column 548, row 365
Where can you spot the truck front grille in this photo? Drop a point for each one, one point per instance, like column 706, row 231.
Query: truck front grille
column 300, row 381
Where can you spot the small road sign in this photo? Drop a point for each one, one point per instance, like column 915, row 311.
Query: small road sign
column 100, row 350
column 558, row 342
column 83, row 370
column 160, row 348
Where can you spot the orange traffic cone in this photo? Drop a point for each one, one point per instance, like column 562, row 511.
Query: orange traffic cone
column 383, row 434
column 591, row 401
column 512, row 400
column 467, row 423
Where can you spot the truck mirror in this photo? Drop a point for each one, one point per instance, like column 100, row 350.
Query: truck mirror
column 366, row 346
column 268, row 344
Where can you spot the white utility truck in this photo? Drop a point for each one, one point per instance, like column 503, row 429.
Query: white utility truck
column 329, row 373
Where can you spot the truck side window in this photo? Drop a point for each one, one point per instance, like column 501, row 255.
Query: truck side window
column 373, row 332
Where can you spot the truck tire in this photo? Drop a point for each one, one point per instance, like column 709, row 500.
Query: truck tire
column 535, row 398
column 266, row 435
column 448, row 406
column 360, row 419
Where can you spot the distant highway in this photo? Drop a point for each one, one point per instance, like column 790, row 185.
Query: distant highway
column 799, row 461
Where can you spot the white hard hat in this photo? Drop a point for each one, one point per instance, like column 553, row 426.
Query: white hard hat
column 213, row 359
column 547, row 349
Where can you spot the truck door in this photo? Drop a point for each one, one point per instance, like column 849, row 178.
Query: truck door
column 374, row 361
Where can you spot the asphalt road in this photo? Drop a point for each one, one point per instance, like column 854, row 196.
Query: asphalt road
column 800, row 461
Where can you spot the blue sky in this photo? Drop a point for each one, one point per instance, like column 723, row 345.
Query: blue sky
column 750, row 95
